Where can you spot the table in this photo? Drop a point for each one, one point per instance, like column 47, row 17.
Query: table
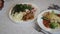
column 9, row 27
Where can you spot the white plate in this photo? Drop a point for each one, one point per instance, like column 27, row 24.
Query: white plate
column 37, row 11
column 40, row 21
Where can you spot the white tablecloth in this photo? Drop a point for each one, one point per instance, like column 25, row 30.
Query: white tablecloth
column 9, row 27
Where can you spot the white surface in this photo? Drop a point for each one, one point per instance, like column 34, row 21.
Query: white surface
column 8, row 27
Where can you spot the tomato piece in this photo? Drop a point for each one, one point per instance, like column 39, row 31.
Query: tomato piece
column 46, row 23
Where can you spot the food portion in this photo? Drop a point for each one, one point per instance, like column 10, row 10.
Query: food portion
column 51, row 19
column 1, row 4
column 23, row 12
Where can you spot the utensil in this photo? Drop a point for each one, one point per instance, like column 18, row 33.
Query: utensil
column 54, row 6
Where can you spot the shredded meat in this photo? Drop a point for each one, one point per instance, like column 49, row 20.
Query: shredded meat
column 28, row 16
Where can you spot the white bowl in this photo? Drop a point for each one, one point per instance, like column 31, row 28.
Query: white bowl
column 37, row 11
column 40, row 21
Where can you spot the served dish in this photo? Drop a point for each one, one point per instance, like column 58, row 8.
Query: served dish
column 24, row 12
column 49, row 20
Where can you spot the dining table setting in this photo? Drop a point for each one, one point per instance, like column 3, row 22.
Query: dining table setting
column 29, row 16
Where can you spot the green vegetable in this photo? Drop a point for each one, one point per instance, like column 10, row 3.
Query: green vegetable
column 18, row 8
column 21, row 7
column 44, row 18
column 53, row 25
